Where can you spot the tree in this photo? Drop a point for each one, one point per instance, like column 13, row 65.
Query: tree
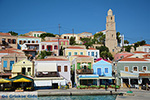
column 104, row 52
column 61, row 51
column 139, row 43
column 72, row 41
column 126, row 42
column 22, row 35
column 118, row 37
column 127, row 48
column 100, row 37
column 13, row 33
column 43, row 35
column 87, row 42
column 43, row 54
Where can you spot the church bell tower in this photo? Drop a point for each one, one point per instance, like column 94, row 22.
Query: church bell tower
column 111, row 41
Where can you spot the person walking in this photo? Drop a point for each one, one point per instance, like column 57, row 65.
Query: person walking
column 105, row 86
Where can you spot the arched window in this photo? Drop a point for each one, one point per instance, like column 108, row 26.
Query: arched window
column 20, row 41
column 36, row 41
column 24, row 41
column 28, row 41
column 33, row 41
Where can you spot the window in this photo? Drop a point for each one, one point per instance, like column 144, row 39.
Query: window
column 68, row 37
column 33, row 41
column 14, row 41
column 37, row 35
column 88, row 53
column 81, row 53
column 75, row 53
column 69, row 53
column 43, row 47
column 111, row 18
column 113, row 50
column 96, row 54
column 62, row 43
column 34, row 35
column 9, row 40
column 126, row 68
column 28, row 41
column 20, row 42
column 36, row 41
column 5, row 64
column 112, row 35
column 145, row 50
column 92, row 53
column 59, row 68
column 106, row 70
column 135, row 68
column 65, row 68
column 29, row 69
column 55, row 47
column 144, row 68
column 24, row 41
column 11, row 64
column 64, row 37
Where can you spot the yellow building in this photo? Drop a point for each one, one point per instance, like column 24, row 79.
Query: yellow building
column 23, row 67
column 75, row 51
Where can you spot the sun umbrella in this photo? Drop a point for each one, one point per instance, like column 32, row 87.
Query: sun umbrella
column 4, row 80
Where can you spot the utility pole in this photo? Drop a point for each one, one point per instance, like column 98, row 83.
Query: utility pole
column 58, row 38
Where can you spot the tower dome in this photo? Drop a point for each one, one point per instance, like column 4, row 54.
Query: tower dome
column 110, row 12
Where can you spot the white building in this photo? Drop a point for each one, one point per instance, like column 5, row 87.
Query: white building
column 144, row 48
column 93, row 52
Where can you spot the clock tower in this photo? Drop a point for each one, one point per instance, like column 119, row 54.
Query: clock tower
column 111, row 41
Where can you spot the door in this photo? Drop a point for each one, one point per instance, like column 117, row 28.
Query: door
column 24, row 71
column 49, row 48
column 99, row 71
column 126, row 69
column 11, row 64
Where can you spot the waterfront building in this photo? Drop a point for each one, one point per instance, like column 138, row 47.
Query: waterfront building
column 122, row 55
column 52, row 72
column 7, row 62
column 24, row 67
column 133, row 72
column 35, row 33
column 82, row 67
column 103, row 69
column 8, row 41
column 27, row 39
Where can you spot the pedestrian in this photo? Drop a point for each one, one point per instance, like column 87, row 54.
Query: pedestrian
column 147, row 87
column 105, row 86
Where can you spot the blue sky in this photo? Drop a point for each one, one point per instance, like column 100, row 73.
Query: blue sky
column 132, row 16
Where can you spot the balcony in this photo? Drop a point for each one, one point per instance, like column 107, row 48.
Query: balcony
column 47, row 74
column 84, row 71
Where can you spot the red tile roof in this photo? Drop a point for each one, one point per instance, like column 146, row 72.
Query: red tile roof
column 10, row 50
column 52, row 59
column 146, row 45
column 133, row 59
column 139, row 52
column 6, row 34
column 75, row 48
column 92, row 49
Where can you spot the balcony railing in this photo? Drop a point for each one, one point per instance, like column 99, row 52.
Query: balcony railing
column 47, row 74
column 84, row 71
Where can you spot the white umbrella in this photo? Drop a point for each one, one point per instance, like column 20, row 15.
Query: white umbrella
column 84, row 64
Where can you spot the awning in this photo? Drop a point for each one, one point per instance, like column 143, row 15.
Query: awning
column 4, row 80
column 106, row 78
column 88, row 76
column 43, row 83
column 47, row 67
column 22, row 80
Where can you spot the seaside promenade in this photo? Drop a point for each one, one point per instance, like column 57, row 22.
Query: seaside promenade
column 122, row 93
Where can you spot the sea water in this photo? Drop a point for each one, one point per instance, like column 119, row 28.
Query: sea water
column 99, row 97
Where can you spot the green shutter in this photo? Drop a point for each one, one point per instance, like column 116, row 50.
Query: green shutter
column 34, row 35
column 78, row 65
column 73, row 67
column 89, row 65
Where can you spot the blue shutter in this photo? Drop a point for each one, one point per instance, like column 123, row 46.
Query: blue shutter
column 106, row 70
column 99, row 71
column 92, row 53
column 5, row 64
column 11, row 64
